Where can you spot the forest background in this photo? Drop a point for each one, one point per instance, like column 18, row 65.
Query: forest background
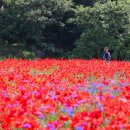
column 65, row 28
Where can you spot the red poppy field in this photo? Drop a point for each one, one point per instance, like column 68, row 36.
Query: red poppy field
column 61, row 94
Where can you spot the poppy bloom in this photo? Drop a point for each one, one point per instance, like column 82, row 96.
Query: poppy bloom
column 64, row 94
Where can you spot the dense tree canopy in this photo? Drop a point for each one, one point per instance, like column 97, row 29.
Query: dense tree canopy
column 106, row 25
column 67, row 28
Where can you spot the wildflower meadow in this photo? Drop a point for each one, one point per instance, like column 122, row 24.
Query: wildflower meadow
column 77, row 94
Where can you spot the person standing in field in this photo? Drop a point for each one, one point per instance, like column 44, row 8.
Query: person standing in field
column 106, row 55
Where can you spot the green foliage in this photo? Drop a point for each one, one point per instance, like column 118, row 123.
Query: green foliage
column 104, row 25
column 40, row 21
column 15, row 51
column 53, row 26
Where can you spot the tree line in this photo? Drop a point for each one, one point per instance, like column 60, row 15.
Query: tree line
column 67, row 28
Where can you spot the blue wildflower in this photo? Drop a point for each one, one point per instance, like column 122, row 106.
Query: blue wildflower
column 53, row 112
column 41, row 116
column 63, row 110
column 54, row 96
column 94, row 84
column 61, row 89
column 51, row 126
column 26, row 126
column 100, row 106
column 79, row 128
column 4, row 94
column 75, row 96
column 16, row 104
column 70, row 111
column 81, row 101
column 112, row 96
column 51, row 92
column 34, row 92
